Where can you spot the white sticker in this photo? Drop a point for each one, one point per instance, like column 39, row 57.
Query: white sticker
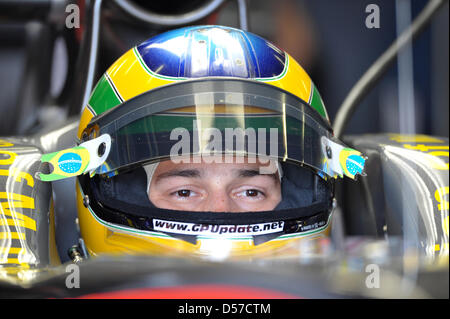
column 217, row 230
column 334, row 167
column 93, row 146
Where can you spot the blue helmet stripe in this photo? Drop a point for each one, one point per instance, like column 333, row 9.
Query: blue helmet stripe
column 211, row 51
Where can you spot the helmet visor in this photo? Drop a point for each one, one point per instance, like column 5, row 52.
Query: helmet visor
column 212, row 117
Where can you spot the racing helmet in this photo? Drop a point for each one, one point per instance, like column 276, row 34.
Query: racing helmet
column 192, row 82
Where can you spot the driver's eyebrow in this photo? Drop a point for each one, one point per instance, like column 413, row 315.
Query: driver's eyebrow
column 192, row 173
column 253, row 172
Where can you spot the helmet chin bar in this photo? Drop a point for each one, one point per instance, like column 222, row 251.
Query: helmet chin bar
column 258, row 232
column 258, row 226
column 191, row 226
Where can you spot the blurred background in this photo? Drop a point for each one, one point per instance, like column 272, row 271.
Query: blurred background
column 41, row 72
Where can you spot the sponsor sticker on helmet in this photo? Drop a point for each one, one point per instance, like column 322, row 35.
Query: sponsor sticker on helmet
column 217, row 230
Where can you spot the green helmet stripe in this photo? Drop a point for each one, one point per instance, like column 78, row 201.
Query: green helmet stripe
column 104, row 96
column 317, row 103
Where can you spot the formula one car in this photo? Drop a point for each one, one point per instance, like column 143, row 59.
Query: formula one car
column 389, row 234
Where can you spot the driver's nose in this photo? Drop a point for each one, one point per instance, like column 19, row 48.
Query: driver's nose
column 220, row 202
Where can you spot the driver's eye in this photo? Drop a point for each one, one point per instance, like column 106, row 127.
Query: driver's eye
column 251, row 192
column 184, row 193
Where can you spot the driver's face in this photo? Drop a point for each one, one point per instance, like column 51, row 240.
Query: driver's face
column 217, row 187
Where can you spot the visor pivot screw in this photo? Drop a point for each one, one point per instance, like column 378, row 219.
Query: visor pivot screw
column 329, row 153
column 101, row 149
column 75, row 255
column 86, row 201
column 84, row 136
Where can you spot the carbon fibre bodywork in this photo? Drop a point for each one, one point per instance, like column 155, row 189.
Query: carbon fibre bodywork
column 25, row 214
column 405, row 191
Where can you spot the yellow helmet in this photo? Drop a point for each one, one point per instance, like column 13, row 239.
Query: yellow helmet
column 195, row 80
